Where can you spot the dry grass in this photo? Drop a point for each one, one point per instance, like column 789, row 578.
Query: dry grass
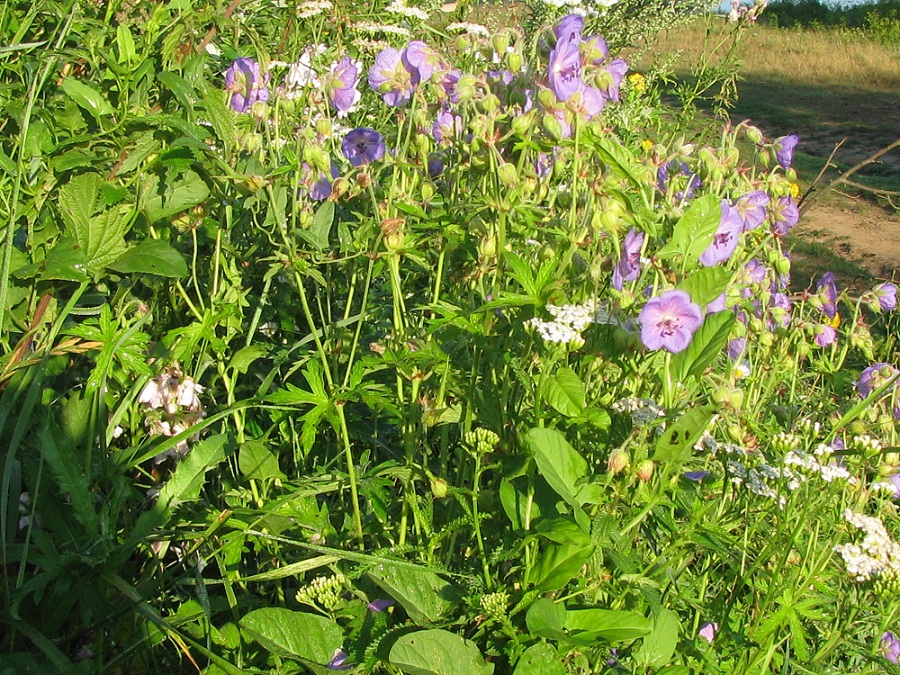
column 814, row 58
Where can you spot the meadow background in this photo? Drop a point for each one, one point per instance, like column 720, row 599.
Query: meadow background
column 393, row 338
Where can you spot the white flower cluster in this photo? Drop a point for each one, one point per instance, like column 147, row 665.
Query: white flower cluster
column 369, row 27
column 642, row 410
column 173, row 405
column 876, row 554
column 311, row 8
column 755, row 479
column 569, row 321
column 469, row 29
column 401, row 8
column 300, row 74
column 867, row 444
column 590, row 8
column 829, row 471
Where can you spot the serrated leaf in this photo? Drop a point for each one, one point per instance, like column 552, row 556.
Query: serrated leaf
column 182, row 89
column 152, row 256
column 103, row 239
column 437, row 652
column 320, row 229
column 246, row 356
column 557, row 461
column 540, row 659
column 177, row 193
column 144, row 146
column 190, row 474
column 221, row 118
column 422, row 593
column 291, row 634
column 564, row 392
column 87, row 98
column 707, row 343
column 77, row 199
column 675, row 443
column 70, row 478
column 694, row 231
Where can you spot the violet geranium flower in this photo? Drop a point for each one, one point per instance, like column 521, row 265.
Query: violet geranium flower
column 785, row 215
column 629, row 265
column 564, row 76
column 708, row 631
column 890, row 647
column 246, row 84
column 669, row 321
column 886, row 296
column 827, row 294
column 341, row 85
column 363, row 146
column 824, row 335
column 725, row 240
column 390, row 77
column 569, row 29
column 873, row 377
column 784, row 150
column 752, row 207
column 421, row 60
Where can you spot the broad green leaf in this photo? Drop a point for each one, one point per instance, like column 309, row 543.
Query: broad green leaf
column 707, row 343
column 559, row 564
column 437, row 652
column 177, row 193
column 607, row 624
column 103, row 239
column 182, row 89
column 291, row 634
column 515, row 504
column 540, row 659
column 564, row 392
column 246, row 356
column 659, row 645
column 65, row 261
column 144, row 146
column 87, row 97
column 596, row 417
column 258, row 462
column 546, row 619
column 125, row 45
column 706, row 284
column 557, row 461
column 677, row 440
column 78, row 199
column 152, row 256
column 320, row 228
column 190, row 474
column 694, row 231
column 422, row 593
column 675, row 670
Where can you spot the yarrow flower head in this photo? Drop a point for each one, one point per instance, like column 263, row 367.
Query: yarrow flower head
column 669, row 321
column 246, row 84
column 363, row 146
column 784, row 150
column 725, row 239
column 629, row 265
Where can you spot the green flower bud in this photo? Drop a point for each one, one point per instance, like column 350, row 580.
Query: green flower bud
column 618, row 461
column 500, row 42
column 439, row 487
column 427, row 191
column 508, row 175
column 644, row 470
column 514, row 61
column 323, row 126
column 754, row 135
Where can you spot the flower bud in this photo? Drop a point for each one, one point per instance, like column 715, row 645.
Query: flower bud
column 522, row 124
column 618, row 461
column 439, row 487
column 507, row 174
column 487, row 248
column 465, row 88
column 782, row 265
column 260, row 111
column 256, row 183
column 553, row 127
column 547, row 99
column 767, row 338
column 514, row 61
column 323, row 127
column 644, row 470
column 754, row 135
column 426, row 191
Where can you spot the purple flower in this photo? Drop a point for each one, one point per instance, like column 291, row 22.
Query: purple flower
column 708, row 631
column 827, row 294
column 363, row 146
column 735, row 348
column 448, row 84
column 246, row 83
column 338, row 661
column 447, row 127
column 319, row 182
column 422, row 60
column 785, row 215
column 890, row 647
column 696, row 477
column 380, row 605
column 669, row 172
column 609, row 79
column 717, row 305
column 886, row 295
column 629, row 265
column 752, row 207
column 565, row 70
column 435, row 165
column 873, row 377
column 784, row 150
column 825, row 335
column 569, row 29
column 587, row 102
column 593, row 50
column 669, row 321
column 390, row 77
column 780, row 304
column 340, row 86
column 725, row 239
